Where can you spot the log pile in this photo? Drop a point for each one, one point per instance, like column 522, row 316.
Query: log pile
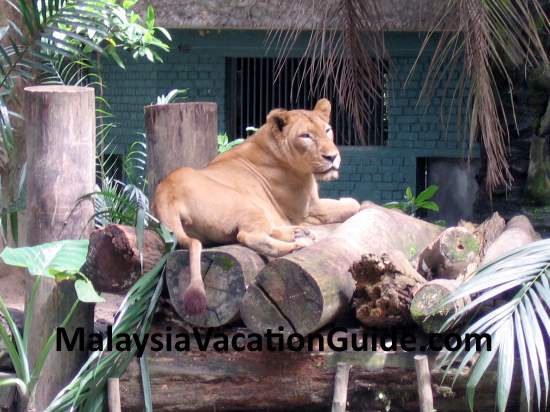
column 400, row 268
column 492, row 239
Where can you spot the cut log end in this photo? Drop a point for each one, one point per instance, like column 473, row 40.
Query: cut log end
column 428, row 297
column 226, row 272
column 113, row 261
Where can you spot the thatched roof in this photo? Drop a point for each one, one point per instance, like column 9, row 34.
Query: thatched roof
column 399, row 15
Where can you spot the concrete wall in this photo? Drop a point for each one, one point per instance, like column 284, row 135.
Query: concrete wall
column 197, row 63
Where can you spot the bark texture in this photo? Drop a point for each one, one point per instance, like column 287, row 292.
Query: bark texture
column 305, row 290
column 113, row 262
column 60, row 123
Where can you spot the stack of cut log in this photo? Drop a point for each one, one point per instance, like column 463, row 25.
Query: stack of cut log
column 400, row 268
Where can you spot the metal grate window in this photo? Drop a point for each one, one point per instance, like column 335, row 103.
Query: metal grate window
column 254, row 87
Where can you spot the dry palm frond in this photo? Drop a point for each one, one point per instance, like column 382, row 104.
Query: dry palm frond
column 345, row 52
column 491, row 37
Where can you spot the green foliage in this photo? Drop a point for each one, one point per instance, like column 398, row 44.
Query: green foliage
column 87, row 390
column 224, row 144
column 411, row 203
column 172, row 97
column 59, row 260
column 520, row 323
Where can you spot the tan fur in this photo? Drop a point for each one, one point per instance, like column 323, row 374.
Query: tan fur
column 258, row 193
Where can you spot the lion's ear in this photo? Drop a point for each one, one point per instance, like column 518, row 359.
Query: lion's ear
column 323, row 107
column 278, row 117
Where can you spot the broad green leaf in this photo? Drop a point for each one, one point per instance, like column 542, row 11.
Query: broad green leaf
column 47, row 259
column 429, row 205
column 85, row 291
column 150, row 20
column 427, row 194
column 409, row 194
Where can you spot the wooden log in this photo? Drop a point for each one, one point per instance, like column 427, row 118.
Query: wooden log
column 113, row 262
column 291, row 381
column 60, row 130
column 517, row 232
column 226, row 270
column 430, row 295
column 179, row 135
column 449, row 255
column 305, row 290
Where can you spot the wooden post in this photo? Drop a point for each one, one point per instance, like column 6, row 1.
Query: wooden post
column 424, row 379
column 340, row 398
column 113, row 395
column 60, row 135
column 179, row 135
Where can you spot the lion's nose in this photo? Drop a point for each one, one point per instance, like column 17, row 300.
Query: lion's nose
column 330, row 158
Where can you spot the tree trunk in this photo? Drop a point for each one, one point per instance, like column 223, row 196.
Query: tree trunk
column 538, row 178
column 227, row 272
column 179, row 135
column 305, row 290
column 292, row 381
column 60, row 123
column 113, row 262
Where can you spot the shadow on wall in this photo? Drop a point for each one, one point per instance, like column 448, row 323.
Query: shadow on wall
column 458, row 187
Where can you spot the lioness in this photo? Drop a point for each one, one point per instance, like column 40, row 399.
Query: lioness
column 257, row 193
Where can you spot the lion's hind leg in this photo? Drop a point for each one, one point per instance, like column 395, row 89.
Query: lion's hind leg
column 194, row 296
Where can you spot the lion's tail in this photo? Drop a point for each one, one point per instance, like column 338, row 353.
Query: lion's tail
column 194, row 296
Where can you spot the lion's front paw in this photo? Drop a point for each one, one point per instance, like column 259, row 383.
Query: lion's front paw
column 303, row 242
column 304, row 233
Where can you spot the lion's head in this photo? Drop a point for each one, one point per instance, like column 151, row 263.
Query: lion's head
column 305, row 140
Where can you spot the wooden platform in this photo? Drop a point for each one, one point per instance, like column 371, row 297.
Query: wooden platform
column 290, row 381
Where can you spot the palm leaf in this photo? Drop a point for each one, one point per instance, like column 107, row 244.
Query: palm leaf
column 488, row 38
column 521, row 323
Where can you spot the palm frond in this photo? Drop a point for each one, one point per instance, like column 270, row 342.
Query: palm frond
column 489, row 39
column 521, row 323
column 337, row 57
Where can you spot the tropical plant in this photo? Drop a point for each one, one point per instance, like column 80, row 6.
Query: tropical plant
column 411, row 203
column 482, row 39
column 58, row 260
column 87, row 390
column 225, row 144
column 52, row 42
column 172, row 96
column 519, row 324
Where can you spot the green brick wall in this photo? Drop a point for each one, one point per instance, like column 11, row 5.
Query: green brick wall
column 197, row 63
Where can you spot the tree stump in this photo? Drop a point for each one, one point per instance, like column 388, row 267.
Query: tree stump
column 60, row 131
column 179, row 135
column 384, row 290
column 113, row 263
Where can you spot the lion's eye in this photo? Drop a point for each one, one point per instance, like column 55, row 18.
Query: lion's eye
column 305, row 136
